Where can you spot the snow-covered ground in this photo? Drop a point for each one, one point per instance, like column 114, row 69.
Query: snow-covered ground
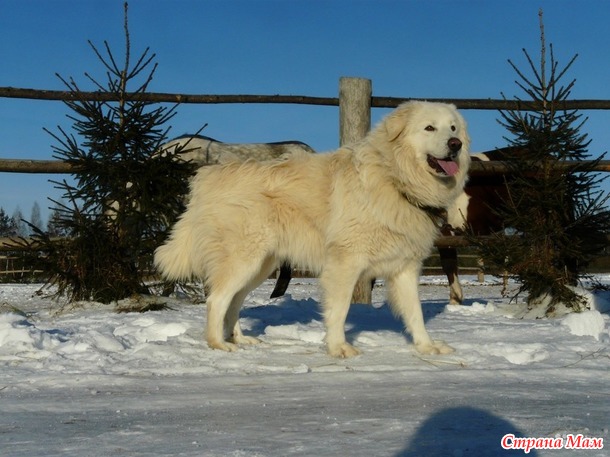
column 91, row 382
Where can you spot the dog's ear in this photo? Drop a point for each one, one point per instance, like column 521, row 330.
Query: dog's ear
column 394, row 125
column 396, row 122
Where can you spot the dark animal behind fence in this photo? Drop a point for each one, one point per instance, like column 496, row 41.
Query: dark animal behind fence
column 476, row 211
column 204, row 150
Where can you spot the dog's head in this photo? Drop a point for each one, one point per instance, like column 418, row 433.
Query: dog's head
column 430, row 143
column 436, row 131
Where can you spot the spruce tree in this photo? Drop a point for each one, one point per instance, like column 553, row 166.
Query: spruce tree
column 125, row 194
column 36, row 217
column 555, row 208
column 54, row 225
column 19, row 223
column 7, row 225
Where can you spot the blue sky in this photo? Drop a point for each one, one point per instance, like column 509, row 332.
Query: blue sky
column 408, row 48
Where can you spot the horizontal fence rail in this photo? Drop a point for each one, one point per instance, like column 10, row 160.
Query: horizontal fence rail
column 376, row 101
column 16, row 244
column 476, row 168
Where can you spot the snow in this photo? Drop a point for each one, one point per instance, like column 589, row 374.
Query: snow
column 86, row 381
column 586, row 323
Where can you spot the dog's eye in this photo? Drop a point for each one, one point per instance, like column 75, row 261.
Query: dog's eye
column 429, row 129
column 453, row 128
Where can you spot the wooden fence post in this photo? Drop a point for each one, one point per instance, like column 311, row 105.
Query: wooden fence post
column 481, row 270
column 354, row 123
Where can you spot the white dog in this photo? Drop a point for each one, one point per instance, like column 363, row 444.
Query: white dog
column 366, row 210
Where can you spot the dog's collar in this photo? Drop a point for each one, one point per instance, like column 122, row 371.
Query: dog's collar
column 436, row 214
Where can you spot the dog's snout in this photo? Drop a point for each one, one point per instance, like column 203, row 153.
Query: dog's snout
column 454, row 145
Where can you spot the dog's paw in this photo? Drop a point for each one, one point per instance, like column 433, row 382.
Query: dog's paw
column 343, row 351
column 223, row 346
column 245, row 340
column 434, row 348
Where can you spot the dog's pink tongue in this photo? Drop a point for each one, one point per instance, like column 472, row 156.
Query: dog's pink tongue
column 449, row 167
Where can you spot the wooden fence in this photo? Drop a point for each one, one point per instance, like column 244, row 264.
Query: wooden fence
column 355, row 102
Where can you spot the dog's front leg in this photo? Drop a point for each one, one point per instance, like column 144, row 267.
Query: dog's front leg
column 404, row 300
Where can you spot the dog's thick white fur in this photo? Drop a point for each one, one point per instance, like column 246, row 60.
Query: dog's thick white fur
column 365, row 210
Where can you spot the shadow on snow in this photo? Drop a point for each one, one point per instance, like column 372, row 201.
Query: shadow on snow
column 463, row 431
column 361, row 317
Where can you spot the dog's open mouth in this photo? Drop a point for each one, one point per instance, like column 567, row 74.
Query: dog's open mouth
column 443, row 167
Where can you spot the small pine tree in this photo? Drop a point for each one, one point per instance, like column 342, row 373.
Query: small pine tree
column 21, row 227
column 55, row 227
column 126, row 193
column 7, row 225
column 557, row 212
column 36, row 217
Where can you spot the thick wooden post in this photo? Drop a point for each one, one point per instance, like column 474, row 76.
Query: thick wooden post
column 354, row 124
column 354, row 109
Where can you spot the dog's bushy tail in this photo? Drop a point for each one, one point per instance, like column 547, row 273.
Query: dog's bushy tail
column 174, row 258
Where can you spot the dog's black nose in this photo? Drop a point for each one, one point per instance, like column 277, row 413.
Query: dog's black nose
column 454, row 145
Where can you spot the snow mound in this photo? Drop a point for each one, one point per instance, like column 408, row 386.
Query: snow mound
column 146, row 329
column 19, row 336
column 600, row 301
column 475, row 308
column 588, row 323
column 299, row 332
column 519, row 354
column 595, row 300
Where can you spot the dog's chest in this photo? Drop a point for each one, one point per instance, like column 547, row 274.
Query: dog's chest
column 389, row 251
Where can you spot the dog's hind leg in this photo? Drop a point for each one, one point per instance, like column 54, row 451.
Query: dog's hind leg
column 232, row 316
column 218, row 303
column 229, row 286
column 232, row 320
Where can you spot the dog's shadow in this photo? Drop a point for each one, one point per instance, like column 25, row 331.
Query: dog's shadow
column 361, row 317
column 464, row 431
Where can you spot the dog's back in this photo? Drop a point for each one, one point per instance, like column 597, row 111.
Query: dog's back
column 245, row 208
